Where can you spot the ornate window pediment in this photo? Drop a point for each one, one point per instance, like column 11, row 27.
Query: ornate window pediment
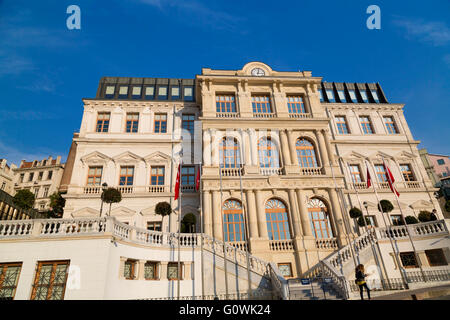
column 94, row 158
column 157, row 158
column 127, row 158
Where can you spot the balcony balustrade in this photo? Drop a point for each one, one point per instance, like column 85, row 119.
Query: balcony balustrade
column 300, row 115
column 227, row 115
column 264, row 115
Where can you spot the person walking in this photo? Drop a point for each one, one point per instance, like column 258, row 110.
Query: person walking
column 360, row 280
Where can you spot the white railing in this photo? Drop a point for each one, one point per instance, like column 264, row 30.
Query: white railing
column 360, row 185
column 330, row 243
column 156, row 189
column 300, row 115
column 188, row 188
column 311, row 171
column 413, row 185
column 264, row 115
column 279, row 283
column 281, row 245
column 270, row 171
column 241, row 245
column 227, row 115
column 92, row 190
column 383, row 185
column 231, row 172
column 125, row 189
column 416, row 230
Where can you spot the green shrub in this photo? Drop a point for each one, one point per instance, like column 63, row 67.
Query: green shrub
column 386, row 205
column 355, row 213
column 411, row 220
column 361, row 221
column 24, row 199
column 424, row 216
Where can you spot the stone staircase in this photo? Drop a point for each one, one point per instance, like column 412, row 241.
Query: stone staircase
column 316, row 290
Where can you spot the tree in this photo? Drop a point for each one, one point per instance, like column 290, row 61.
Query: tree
column 355, row 213
column 425, row 216
column 163, row 209
column 411, row 220
column 57, row 203
column 188, row 223
column 385, row 206
column 24, row 199
column 447, row 206
column 111, row 195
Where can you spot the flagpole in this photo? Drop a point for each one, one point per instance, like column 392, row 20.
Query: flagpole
column 388, row 174
column 400, row 266
column 366, row 228
column 179, row 226
column 201, row 232
column 225, row 261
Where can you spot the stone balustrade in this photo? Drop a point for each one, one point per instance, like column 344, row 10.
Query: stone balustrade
column 425, row 229
column 264, row 115
column 300, row 115
column 227, row 115
column 281, row 245
column 270, row 171
column 231, row 172
column 92, row 190
column 330, row 244
column 360, row 185
column 157, row 189
column 311, row 171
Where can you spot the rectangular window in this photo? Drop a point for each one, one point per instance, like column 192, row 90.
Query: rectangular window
column 30, row 176
column 150, row 271
column 132, row 122
column 407, row 172
column 285, row 269
column 154, row 226
column 22, row 175
column 390, row 125
column 295, row 104
column 162, row 93
column 109, row 92
column 3, row 185
column 50, row 280
column 408, row 260
column 187, row 175
column 9, row 277
column 46, row 189
column 126, row 176
column 150, row 93
column 225, row 103
column 36, row 192
column 157, row 176
column 49, row 175
column 352, row 95
column 341, row 124
column 436, row 257
column 330, row 95
column 103, row 121
column 355, row 172
column 440, row 162
column 129, row 271
column 363, row 94
column 371, row 221
column 172, row 271
column 261, row 104
column 381, row 173
column 40, row 175
column 188, row 93
column 160, row 123
column 123, row 92
column 175, row 93
column 94, row 176
column 396, row 220
column 375, row 95
column 187, row 123
column 320, row 95
column 366, row 125
column 341, row 95
column 136, row 92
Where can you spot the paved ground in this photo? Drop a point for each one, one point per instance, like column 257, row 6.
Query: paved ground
column 433, row 293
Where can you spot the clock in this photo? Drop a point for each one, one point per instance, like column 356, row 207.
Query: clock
column 258, row 72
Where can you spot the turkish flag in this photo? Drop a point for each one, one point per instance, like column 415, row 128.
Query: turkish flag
column 369, row 179
column 391, row 179
column 197, row 180
column 177, row 184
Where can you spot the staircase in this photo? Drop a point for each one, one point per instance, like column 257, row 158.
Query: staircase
column 316, row 290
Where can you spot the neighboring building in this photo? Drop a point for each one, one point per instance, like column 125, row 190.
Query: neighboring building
column 40, row 177
column 429, row 166
column 441, row 165
column 7, row 176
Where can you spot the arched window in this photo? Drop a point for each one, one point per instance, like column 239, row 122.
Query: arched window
column 229, row 153
column 277, row 220
column 268, row 154
column 306, row 154
column 233, row 221
column 318, row 216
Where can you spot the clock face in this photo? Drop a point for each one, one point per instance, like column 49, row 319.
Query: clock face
column 258, row 72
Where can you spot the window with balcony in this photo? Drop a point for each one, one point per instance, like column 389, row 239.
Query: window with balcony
column 132, row 122
column 94, row 176
column 157, row 176
column 160, row 123
column 9, row 277
column 129, row 271
column 366, row 124
column 381, row 173
column 188, row 176
column 407, row 172
column 277, row 220
column 103, row 121
column 187, row 123
column 396, row 220
column 268, row 154
column 225, row 103
column 391, row 127
column 126, row 176
column 295, row 104
column 229, row 153
column 355, row 173
column 261, row 104
column 151, row 270
column 233, row 221
column 50, row 280
column 341, row 124
column 123, row 92
column 306, row 153
column 318, row 217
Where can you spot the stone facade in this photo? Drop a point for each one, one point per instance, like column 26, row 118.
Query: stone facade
column 7, row 176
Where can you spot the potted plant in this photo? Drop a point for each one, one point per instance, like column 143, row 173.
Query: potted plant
column 385, row 206
column 188, row 223
column 163, row 209
column 361, row 221
column 424, row 216
column 411, row 220
column 111, row 195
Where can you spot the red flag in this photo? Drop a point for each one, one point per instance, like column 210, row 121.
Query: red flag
column 369, row 180
column 177, row 184
column 391, row 179
column 197, row 180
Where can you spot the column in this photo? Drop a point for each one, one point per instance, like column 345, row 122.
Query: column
column 206, row 148
column 141, row 268
column 246, row 148
column 253, row 147
column 163, row 270
column 294, row 214
column 207, row 217
column 217, row 215
column 260, row 209
column 322, row 149
column 306, row 225
column 337, row 214
column 285, row 148
column 292, row 148
column 214, row 147
column 251, row 213
column 328, row 146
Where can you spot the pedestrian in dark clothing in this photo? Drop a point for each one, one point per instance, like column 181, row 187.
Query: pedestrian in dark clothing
column 360, row 280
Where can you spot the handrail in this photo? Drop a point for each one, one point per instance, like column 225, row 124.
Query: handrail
column 279, row 283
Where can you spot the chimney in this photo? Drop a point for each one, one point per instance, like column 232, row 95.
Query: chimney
column 58, row 159
column 21, row 163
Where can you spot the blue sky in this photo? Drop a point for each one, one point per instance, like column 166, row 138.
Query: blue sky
column 46, row 69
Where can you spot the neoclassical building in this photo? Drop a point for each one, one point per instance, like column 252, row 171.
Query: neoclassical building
column 282, row 154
